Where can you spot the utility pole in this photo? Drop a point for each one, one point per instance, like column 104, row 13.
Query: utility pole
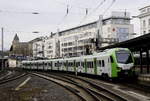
column 99, row 32
column 2, row 29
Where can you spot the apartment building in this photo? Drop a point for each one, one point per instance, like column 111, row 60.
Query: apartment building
column 145, row 20
column 87, row 38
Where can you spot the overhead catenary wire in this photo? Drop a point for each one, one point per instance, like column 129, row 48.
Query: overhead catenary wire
column 88, row 14
column 113, row 1
column 64, row 17
column 19, row 12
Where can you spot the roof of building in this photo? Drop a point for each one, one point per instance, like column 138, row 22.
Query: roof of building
column 16, row 37
column 78, row 27
column 144, row 7
column 35, row 40
column 94, row 22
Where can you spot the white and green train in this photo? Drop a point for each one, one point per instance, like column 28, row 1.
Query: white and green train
column 110, row 63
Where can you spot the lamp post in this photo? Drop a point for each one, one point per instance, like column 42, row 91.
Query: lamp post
column 2, row 29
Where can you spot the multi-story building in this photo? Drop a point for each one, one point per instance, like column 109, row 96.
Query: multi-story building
column 74, row 41
column 38, row 47
column 80, row 40
column 50, row 47
column 118, row 26
column 21, row 49
column 86, row 38
column 145, row 20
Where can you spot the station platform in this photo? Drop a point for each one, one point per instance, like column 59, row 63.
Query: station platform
column 144, row 79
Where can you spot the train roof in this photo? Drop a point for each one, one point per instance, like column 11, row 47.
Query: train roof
column 104, row 53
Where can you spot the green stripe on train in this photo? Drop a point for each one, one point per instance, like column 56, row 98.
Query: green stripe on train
column 74, row 62
column 95, row 66
column 114, row 66
column 85, row 66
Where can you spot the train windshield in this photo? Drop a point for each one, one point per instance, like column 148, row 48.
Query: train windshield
column 123, row 56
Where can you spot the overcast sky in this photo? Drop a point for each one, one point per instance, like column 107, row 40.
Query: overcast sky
column 16, row 15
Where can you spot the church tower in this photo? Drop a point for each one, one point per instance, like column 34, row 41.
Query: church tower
column 16, row 39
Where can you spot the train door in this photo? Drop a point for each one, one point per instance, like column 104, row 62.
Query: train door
column 82, row 66
column 61, row 65
column 106, row 66
column 78, row 65
column 41, row 65
column 64, row 65
column 54, row 65
column 33, row 65
column 45, row 65
column 70, row 65
column 99, row 69
column 101, row 65
column 48, row 65
column 90, row 65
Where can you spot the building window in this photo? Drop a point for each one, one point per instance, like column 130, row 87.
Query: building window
column 122, row 34
column 144, row 23
column 149, row 22
column 109, row 29
column 148, row 9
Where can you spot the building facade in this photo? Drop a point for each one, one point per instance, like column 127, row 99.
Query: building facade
column 38, row 47
column 145, row 20
column 82, row 39
column 50, row 47
column 85, row 39
column 74, row 42
column 118, row 26
column 20, row 48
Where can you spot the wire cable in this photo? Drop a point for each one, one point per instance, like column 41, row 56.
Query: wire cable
column 113, row 1
column 84, row 18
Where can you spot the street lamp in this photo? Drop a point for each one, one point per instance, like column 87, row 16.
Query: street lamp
column 35, row 13
column 2, row 47
column 35, row 32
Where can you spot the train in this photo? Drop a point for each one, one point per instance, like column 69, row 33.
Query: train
column 110, row 63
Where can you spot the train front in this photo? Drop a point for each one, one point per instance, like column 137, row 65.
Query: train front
column 124, row 63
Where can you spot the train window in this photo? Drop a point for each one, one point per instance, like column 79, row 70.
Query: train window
column 56, row 65
column 87, row 64
column 103, row 63
column 45, row 64
column 64, row 63
column 77, row 64
column 111, row 59
column 82, row 64
column 49, row 64
column 90, row 64
column 70, row 64
column 99, row 63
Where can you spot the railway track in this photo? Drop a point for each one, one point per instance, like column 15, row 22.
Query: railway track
column 5, row 75
column 12, row 78
column 99, row 90
column 81, row 92
column 116, row 87
column 137, row 86
column 86, row 90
